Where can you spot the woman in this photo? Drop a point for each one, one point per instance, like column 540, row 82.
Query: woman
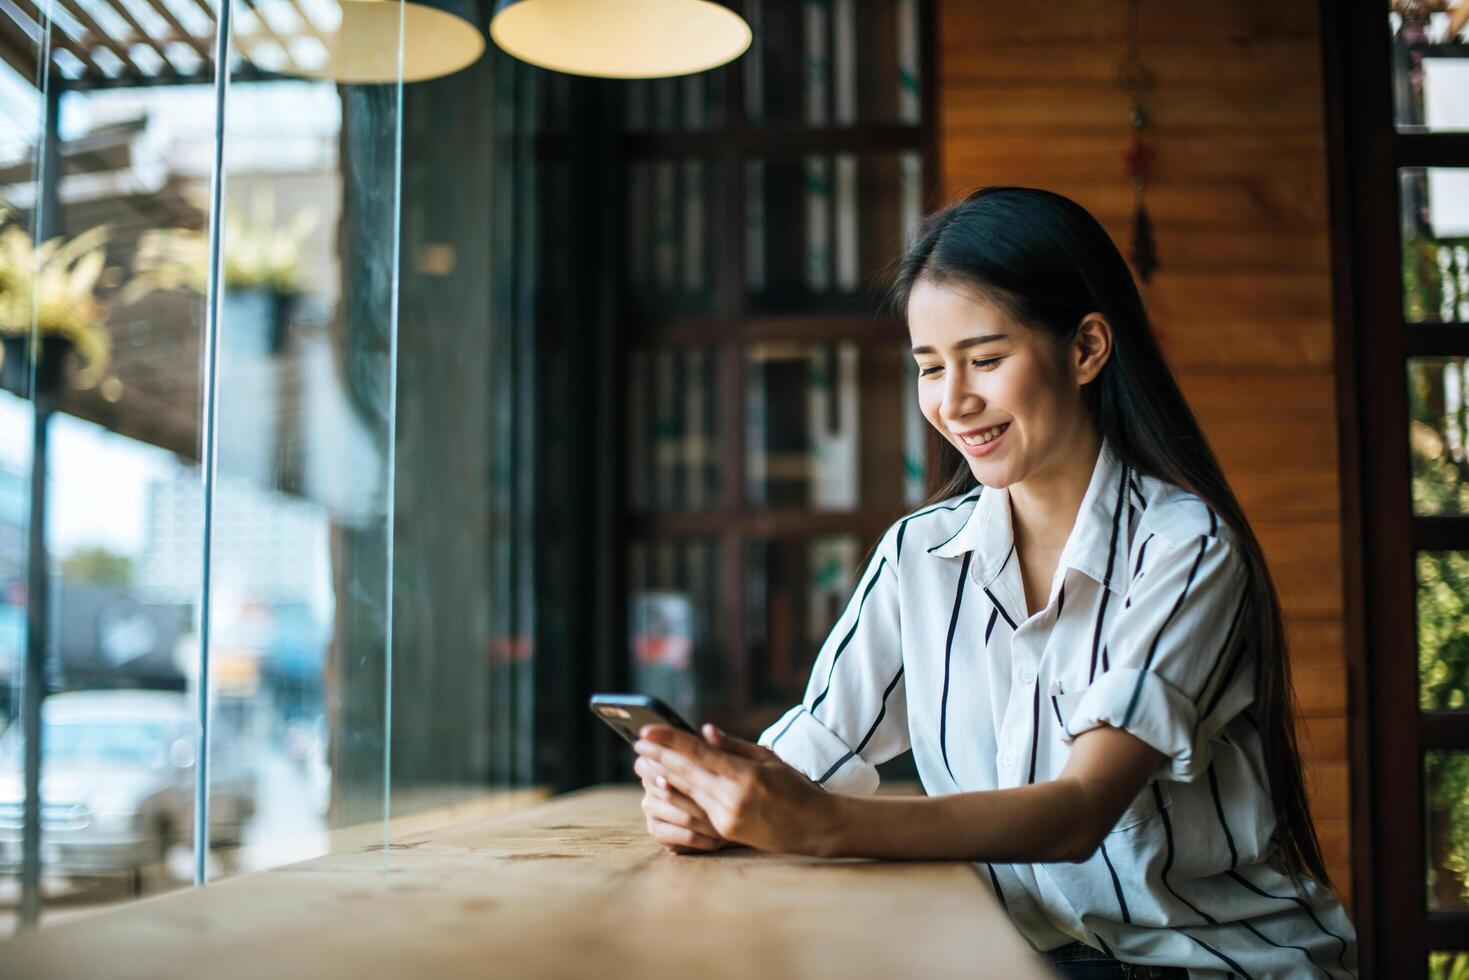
column 1085, row 656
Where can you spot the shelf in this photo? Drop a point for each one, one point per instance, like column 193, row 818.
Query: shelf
column 774, row 142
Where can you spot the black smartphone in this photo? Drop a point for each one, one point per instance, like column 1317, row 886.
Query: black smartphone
column 627, row 713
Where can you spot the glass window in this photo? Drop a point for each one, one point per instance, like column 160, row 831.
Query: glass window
column 1434, row 205
column 1446, row 793
column 1448, row 965
column 1443, row 630
column 1438, row 436
column 1430, row 69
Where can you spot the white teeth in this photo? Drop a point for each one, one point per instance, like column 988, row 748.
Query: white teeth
column 988, row 435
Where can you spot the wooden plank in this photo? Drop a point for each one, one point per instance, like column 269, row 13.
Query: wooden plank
column 982, row 109
column 1265, row 203
column 1204, row 59
column 1245, row 445
column 1285, row 542
column 1008, row 157
column 1262, row 397
column 571, row 888
column 1288, row 495
column 977, row 28
column 1242, row 344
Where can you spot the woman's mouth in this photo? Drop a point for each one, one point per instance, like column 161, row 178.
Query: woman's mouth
column 983, row 441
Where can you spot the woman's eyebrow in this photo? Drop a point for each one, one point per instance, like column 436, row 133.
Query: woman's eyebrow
column 966, row 342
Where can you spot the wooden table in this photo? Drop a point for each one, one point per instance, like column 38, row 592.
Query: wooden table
column 570, row 888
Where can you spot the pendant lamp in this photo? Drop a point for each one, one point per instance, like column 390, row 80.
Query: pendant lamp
column 439, row 37
column 620, row 38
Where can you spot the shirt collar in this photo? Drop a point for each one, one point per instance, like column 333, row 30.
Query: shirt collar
column 1093, row 546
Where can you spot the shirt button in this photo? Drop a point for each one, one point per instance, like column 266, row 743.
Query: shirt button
column 1027, row 676
column 1007, row 760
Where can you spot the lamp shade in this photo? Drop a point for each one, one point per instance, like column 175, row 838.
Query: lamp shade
column 620, row 38
column 439, row 37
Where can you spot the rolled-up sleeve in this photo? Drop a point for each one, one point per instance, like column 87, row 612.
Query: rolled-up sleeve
column 854, row 714
column 1178, row 667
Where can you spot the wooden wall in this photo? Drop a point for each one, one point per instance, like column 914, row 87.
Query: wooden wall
column 1027, row 95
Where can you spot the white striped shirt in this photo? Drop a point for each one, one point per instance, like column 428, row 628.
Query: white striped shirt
column 935, row 653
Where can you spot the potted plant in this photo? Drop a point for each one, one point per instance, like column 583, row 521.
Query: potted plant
column 49, row 308
column 262, row 278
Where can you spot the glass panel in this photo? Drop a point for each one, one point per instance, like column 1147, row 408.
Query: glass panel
column 832, row 63
column 120, row 388
column 1438, row 436
column 1443, row 630
column 299, row 647
column 673, row 619
column 1434, row 206
column 22, row 123
column 825, row 426
column 796, row 590
column 1430, row 68
column 1446, row 791
column 670, row 213
column 810, row 247
column 673, row 463
column 1447, row 965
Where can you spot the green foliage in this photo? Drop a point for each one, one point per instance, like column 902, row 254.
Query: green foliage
column 98, row 566
column 1440, row 423
column 1448, row 966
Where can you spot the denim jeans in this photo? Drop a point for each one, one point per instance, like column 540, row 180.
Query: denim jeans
column 1078, row 961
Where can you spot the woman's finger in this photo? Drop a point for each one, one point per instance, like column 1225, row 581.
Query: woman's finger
column 669, row 834
column 679, row 816
column 721, row 739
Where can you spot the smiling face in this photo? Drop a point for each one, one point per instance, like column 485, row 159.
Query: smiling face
column 1007, row 396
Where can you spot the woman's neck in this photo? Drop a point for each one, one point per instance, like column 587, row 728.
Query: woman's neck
column 1043, row 506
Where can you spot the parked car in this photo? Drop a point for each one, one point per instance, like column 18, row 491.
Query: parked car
column 117, row 783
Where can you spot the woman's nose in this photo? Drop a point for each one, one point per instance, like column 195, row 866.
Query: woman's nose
column 959, row 399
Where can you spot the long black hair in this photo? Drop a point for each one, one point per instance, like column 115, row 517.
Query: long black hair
column 1046, row 262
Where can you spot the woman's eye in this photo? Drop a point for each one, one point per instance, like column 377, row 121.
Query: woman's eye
column 922, row 372
column 985, row 362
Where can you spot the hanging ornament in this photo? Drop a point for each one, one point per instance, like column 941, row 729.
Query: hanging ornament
column 1135, row 79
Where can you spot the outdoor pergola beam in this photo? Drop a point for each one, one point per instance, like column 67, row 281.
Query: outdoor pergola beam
column 59, row 38
column 142, row 36
column 101, row 37
column 200, row 48
column 17, row 48
column 306, row 21
column 270, row 32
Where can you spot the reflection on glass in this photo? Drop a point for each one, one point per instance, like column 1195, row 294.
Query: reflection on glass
column 796, row 590
column 1430, row 68
column 1443, row 630
column 673, row 461
column 809, row 247
column 825, row 426
column 673, row 615
column 1434, row 205
column 1438, row 434
column 1446, row 793
column 843, row 63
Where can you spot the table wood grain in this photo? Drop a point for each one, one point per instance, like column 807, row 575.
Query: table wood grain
column 569, row 888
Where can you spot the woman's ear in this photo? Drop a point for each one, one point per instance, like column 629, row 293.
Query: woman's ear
column 1091, row 347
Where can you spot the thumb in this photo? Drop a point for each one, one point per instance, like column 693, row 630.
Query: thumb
column 721, row 739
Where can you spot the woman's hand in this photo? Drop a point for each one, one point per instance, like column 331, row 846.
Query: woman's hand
column 674, row 820
column 745, row 792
